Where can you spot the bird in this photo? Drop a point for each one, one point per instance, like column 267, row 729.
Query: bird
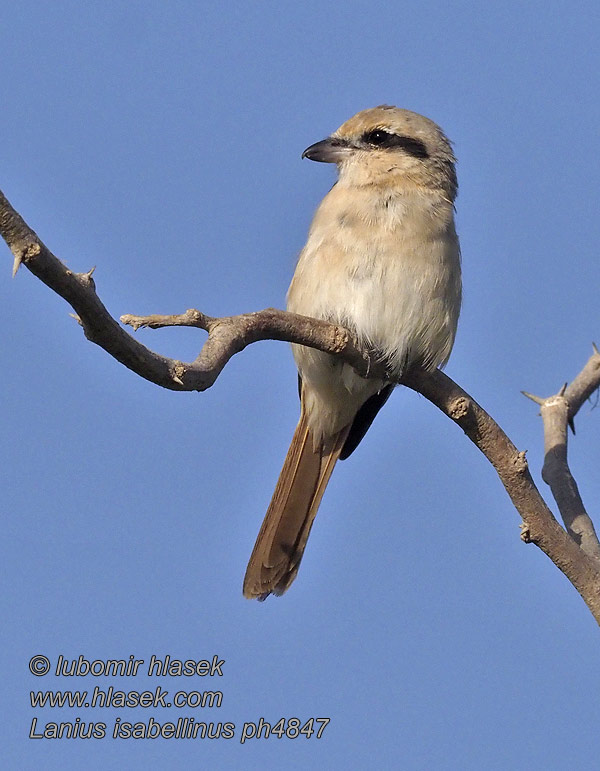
column 382, row 259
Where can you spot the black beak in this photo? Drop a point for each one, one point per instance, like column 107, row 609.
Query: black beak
column 330, row 150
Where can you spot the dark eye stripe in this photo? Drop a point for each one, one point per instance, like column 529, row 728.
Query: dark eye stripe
column 384, row 139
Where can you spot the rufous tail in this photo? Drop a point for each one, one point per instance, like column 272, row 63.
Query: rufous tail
column 285, row 529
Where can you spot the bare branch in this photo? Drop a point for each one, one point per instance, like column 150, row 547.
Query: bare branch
column 78, row 289
column 557, row 474
column 584, row 385
column 231, row 334
column 558, row 412
column 191, row 318
column 227, row 336
column 539, row 525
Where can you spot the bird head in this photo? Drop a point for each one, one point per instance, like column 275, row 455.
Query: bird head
column 389, row 146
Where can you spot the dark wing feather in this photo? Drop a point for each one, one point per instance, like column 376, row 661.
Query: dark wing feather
column 364, row 417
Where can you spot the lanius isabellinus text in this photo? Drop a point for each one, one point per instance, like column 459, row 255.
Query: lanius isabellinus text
column 383, row 260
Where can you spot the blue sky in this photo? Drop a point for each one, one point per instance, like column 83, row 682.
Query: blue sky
column 161, row 142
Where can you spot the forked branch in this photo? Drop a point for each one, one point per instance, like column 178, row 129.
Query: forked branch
column 558, row 413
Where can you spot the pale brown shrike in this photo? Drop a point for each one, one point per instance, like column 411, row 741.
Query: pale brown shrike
column 383, row 260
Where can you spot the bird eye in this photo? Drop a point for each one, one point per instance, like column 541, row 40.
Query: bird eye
column 385, row 139
column 379, row 138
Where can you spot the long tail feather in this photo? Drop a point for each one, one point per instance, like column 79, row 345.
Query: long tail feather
column 285, row 529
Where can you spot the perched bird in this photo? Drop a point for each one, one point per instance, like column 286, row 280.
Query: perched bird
column 383, row 260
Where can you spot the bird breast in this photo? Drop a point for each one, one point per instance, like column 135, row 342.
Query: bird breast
column 385, row 263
